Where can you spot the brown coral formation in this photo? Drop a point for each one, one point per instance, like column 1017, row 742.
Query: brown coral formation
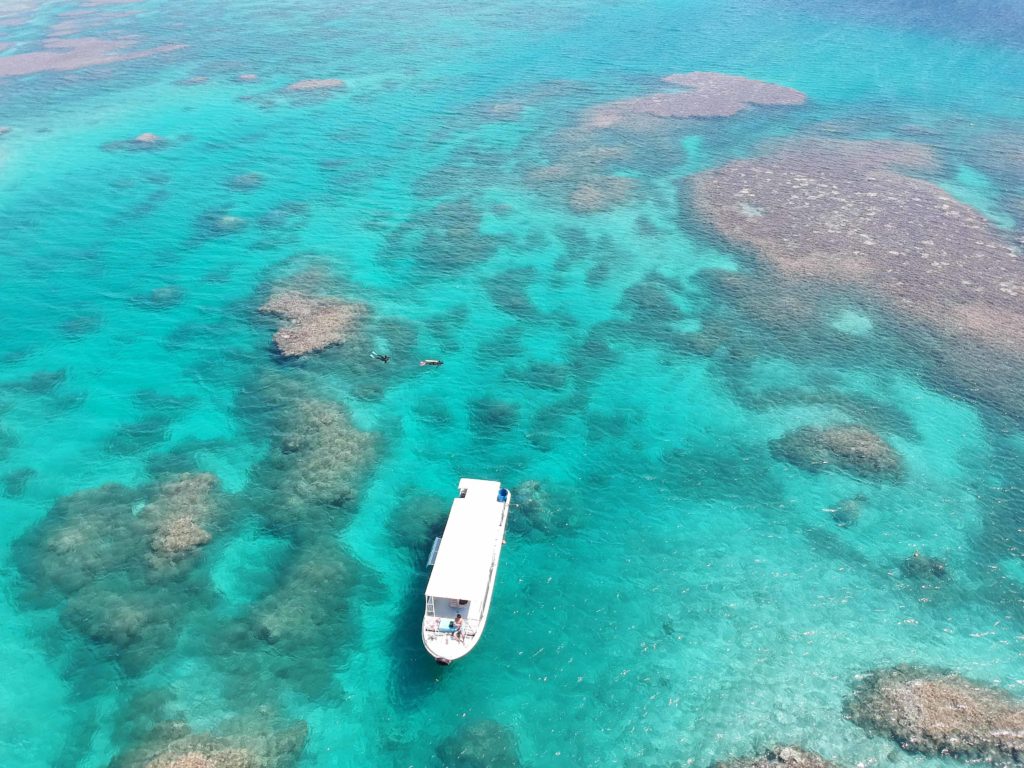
column 600, row 194
column 327, row 84
column 828, row 213
column 311, row 601
column 110, row 559
column 182, row 507
column 61, row 54
column 144, row 142
column 848, row 448
column 780, row 757
column 315, row 467
column 241, row 744
column 705, row 94
column 218, row 223
column 313, row 322
column 939, row 713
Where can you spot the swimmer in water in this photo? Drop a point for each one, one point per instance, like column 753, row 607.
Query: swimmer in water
column 382, row 358
column 431, row 362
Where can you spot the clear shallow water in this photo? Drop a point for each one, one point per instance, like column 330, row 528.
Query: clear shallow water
column 692, row 599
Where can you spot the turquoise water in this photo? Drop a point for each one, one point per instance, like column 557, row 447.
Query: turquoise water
column 684, row 597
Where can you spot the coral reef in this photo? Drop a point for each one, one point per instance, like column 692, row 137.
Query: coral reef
column 237, row 744
column 706, row 94
column 779, row 757
column 310, row 604
column 585, row 175
column 488, row 416
column 81, row 325
column 418, row 520
column 535, row 508
column 295, row 633
column 218, row 223
column 14, row 482
column 315, row 466
column 108, row 616
column 847, row 512
column 144, row 142
column 246, row 181
column 165, row 297
column 39, row 383
column 447, row 236
column 600, row 194
column 483, row 744
column 313, row 322
column 923, row 568
column 939, row 713
column 139, row 436
column 850, row 448
column 119, row 566
column 175, row 518
column 823, row 214
column 327, row 84
column 60, row 54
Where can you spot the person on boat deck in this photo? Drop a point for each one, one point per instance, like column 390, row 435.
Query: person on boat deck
column 458, row 626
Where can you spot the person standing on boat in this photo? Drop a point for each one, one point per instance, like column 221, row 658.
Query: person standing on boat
column 458, row 626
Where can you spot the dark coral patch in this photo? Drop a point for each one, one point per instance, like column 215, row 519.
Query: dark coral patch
column 780, row 757
column 483, row 744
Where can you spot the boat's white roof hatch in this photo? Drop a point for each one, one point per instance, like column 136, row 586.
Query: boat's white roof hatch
column 463, row 564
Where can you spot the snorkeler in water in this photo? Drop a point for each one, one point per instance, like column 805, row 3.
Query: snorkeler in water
column 431, row 362
column 382, row 358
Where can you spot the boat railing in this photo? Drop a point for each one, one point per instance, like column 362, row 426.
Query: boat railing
column 469, row 629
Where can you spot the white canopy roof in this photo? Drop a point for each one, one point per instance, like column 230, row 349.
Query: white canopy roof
column 471, row 537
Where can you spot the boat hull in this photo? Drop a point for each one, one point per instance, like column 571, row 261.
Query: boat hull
column 452, row 627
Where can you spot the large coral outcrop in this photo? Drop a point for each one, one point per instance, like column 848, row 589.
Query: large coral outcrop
column 940, row 713
column 240, row 743
column 118, row 561
column 309, row 607
column 848, row 447
column 183, row 506
column 824, row 215
column 316, row 465
column 312, row 323
column 702, row 94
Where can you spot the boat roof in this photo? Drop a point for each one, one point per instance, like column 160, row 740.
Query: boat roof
column 462, row 567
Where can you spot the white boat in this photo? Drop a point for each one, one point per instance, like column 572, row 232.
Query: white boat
column 465, row 564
